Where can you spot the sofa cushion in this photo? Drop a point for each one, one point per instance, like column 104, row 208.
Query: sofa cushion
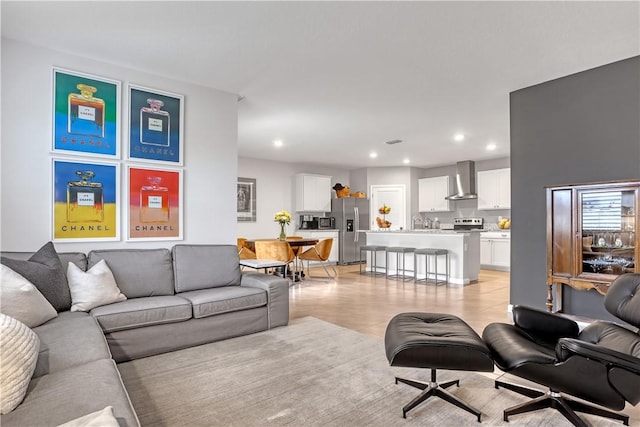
column 139, row 312
column 209, row 302
column 102, row 418
column 205, row 266
column 66, row 395
column 23, row 301
column 78, row 258
column 19, row 348
column 138, row 272
column 92, row 288
column 71, row 339
column 46, row 272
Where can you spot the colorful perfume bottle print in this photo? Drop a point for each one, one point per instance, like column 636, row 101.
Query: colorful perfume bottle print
column 154, row 124
column 86, row 113
column 154, row 201
column 85, row 201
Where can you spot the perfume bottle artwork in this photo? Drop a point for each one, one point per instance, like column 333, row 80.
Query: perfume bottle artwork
column 154, row 124
column 154, row 201
column 86, row 113
column 85, row 199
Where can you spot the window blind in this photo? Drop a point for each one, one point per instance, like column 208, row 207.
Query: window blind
column 602, row 211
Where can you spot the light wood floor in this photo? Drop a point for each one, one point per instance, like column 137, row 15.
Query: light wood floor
column 367, row 303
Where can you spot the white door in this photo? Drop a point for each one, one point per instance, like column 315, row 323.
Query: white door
column 393, row 196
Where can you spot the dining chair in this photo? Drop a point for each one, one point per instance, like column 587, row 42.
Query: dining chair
column 296, row 250
column 320, row 252
column 276, row 250
column 243, row 250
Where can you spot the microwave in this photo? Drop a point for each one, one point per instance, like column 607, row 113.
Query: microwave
column 326, row 223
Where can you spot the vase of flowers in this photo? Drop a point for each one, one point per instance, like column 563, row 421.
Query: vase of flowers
column 283, row 218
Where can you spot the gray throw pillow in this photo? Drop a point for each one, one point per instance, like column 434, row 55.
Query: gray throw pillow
column 45, row 271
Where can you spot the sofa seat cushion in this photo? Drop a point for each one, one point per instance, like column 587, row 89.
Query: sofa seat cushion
column 71, row 339
column 140, row 312
column 209, row 302
column 72, row 393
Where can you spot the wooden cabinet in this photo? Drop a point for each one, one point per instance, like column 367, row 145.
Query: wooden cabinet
column 495, row 250
column 313, row 193
column 591, row 236
column 494, row 189
column 432, row 193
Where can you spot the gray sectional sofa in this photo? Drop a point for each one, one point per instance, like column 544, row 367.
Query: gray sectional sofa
column 191, row 295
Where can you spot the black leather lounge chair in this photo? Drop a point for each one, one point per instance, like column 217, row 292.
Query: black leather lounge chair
column 600, row 364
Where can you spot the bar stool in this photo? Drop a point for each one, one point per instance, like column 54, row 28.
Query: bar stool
column 428, row 252
column 374, row 249
column 400, row 251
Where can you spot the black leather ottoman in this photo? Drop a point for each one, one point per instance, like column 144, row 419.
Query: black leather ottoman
column 435, row 341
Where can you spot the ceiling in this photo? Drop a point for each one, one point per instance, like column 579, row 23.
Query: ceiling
column 335, row 80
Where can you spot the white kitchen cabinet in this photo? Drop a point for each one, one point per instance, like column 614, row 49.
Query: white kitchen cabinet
column 321, row 235
column 494, row 189
column 432, row 193
column 495, row 250
column 313, row 193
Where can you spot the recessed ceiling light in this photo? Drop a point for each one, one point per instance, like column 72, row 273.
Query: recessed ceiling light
column 458, row 137
column 406, row 161
column 277, row 143
column 373, row 154
column 491, row 146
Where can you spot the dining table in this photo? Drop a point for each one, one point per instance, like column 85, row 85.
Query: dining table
column 294, row 243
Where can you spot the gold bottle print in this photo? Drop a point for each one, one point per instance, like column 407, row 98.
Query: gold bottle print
column 154, row 201
column 85, row 201
column 86, row 112
column 154, row 124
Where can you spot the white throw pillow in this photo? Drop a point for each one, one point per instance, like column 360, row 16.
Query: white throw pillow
column 93, row 288
column 19, row 347
column 21, row 300
column 103, row 418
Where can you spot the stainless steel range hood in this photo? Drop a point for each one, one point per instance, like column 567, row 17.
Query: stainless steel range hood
column 465, row 181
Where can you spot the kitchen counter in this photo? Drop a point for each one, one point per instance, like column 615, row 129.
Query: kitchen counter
column 423, row 230
column 463, row 247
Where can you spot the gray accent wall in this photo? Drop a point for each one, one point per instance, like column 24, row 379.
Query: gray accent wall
column 577, row 129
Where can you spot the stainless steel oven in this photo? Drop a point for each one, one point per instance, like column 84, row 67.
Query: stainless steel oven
column 462, row 224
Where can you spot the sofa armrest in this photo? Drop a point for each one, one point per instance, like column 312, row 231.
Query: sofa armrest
column 546, row 326
column 277, row 290
column 568, row 347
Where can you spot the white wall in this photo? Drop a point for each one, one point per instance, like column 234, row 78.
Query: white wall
column 275, row 191
column 210, row 151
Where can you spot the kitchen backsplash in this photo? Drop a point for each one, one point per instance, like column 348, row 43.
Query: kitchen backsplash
column 468, row 209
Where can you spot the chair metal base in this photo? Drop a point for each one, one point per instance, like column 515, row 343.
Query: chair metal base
column 551, row 399
column 438, row 390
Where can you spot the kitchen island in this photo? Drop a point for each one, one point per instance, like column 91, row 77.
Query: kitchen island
column 463, row 247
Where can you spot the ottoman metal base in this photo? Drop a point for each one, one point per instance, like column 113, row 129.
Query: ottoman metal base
column 433, row 388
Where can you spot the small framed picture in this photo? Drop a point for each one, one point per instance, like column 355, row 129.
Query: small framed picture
column 85, row 201
column 155, row 126
column 86, row 114
column 246, row 199
column 154, row 203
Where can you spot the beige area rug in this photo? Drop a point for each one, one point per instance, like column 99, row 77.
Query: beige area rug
column 310, row 373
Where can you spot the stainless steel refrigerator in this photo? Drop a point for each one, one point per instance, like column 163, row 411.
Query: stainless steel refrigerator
column 352, row 216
